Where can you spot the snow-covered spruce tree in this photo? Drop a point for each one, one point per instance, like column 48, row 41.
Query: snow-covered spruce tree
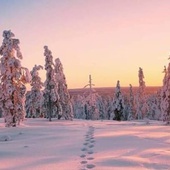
column 109, row 107
column 78, row 107
column 34, row 102
column 51, row 97
column 64, row 96
column 140, row 98
column 131, row 108
column 158, row 105
column 126, row 107
column 91, row 106
column 163, row 92
column 13, row 79
column 165, row 96
column 118, row 104
column 102, row 105
column 153, row 111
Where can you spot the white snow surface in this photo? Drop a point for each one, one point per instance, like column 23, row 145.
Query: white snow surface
column 38, row 144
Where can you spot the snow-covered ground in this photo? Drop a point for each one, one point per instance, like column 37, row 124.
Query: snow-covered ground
column 82, row 145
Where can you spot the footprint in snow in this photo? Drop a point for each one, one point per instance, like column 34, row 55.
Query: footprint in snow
column 91, row 146
column 90, row 166
column 90, row 152
column 83, row 156
column 26, row 146
column 92, row 141
column 83, row 162
column 90, row 158
column 84, row 149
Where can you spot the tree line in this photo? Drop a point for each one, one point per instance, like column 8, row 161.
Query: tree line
column 51, row 99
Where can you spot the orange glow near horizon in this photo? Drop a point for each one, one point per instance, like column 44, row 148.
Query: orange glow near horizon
column 108, row 39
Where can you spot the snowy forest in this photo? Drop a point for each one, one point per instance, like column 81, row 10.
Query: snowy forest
column 51, row 99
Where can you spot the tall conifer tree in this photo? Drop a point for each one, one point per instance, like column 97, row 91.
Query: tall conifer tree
column 13, row 79
column 118, row 104
column 131, row 108
column 91, row 102
column 52, row 100
column 64, row 96
column 140, row 101
column 34, row 102
column 165, row 96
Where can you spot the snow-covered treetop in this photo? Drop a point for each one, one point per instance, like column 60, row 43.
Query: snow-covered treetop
column 59, row 72
column 36, row 80
column 49, row 66
column 8, row 34
column 49, row 58
column 130, row 89
column 141, row 77
column 10, row 44
column 59, row 66
column 10, row 50
column 165, row 70
column 35, row 69
column 117, row 90
column 118, row 84
column 131, row 97
column 141, row 82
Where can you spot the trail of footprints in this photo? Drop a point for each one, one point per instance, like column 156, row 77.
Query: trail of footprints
column 87, row 150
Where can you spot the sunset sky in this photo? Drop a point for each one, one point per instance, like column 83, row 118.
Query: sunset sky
column 109, row 39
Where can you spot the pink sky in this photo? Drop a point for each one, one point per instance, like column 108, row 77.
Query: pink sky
column 109, row 39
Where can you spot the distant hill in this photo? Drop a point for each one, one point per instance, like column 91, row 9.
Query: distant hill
column 110, row 90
